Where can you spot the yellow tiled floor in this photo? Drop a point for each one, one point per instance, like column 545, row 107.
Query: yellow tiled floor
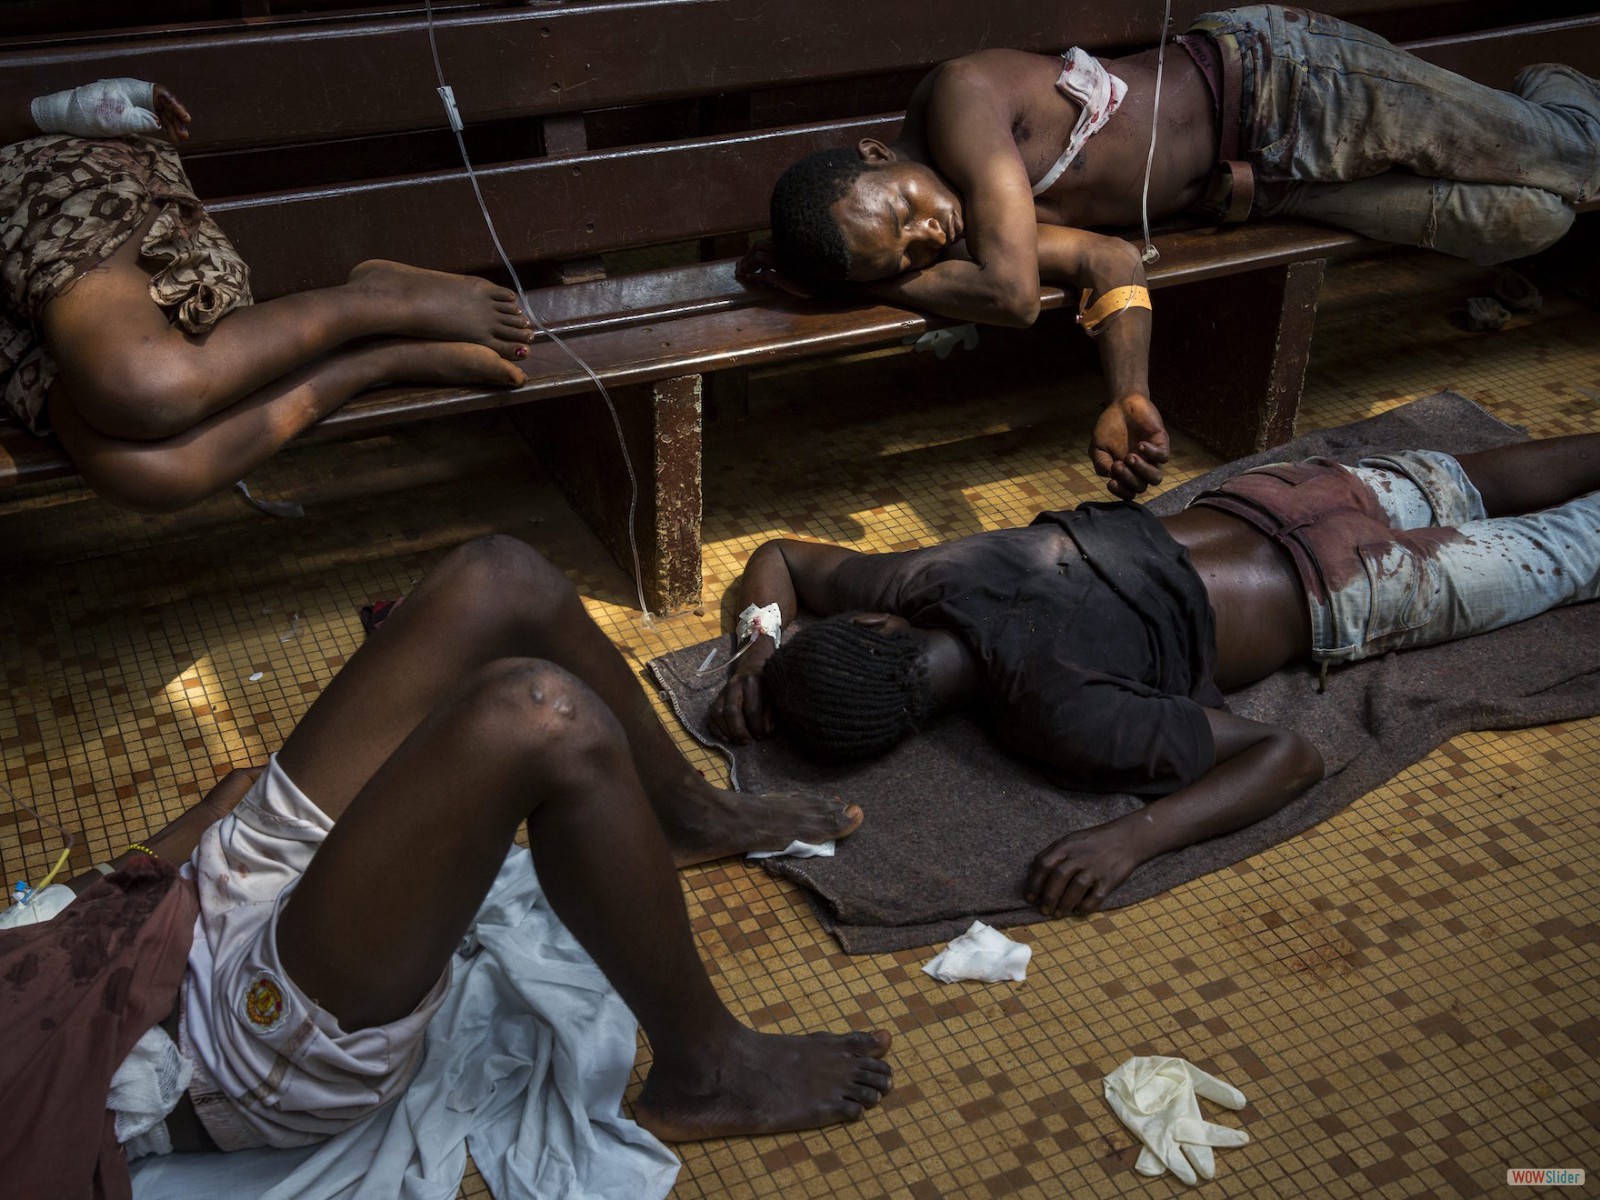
column 1406, row 994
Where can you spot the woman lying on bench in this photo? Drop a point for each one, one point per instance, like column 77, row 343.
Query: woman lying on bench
column 126, row 322
column 329, row 894
column 1097, row 640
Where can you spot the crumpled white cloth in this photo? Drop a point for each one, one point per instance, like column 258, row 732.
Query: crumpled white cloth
column 1155, row 1098
column 1098, row 93
column 44, row 906
column 526, row 1063
column 146, row 1087
column 983, row 953
column 797, row 849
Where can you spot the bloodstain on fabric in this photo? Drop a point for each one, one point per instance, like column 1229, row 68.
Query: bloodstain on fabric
column 92, row 981
column 1326, row 518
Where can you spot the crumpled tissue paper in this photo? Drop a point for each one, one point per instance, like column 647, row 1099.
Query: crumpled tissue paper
column 984, row 953
column 797, row 849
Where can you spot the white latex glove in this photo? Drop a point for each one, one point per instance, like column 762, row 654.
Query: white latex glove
column 105, row 108
column 1155, row 1098
column 942, row 341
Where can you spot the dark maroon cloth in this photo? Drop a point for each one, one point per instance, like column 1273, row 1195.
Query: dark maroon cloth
column 1097, row 648
column 76, row 993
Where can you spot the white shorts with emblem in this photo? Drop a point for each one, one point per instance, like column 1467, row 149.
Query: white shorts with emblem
column 270, row 1067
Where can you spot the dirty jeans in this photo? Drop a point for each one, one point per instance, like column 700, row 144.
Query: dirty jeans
column 1367, row 137
column 1498, row 571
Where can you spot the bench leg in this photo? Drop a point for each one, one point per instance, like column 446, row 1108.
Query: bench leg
column 661, row 426
column 1228, row 356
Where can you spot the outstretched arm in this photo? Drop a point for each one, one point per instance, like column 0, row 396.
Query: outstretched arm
column 1129, row 445
column 786, row 573
column 1259, row 768
column 177, row 840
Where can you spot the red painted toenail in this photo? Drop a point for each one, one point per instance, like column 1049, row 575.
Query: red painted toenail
column 522, row 352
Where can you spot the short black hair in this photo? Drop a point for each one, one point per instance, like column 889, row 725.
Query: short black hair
column 844, row 692
column 807, row 239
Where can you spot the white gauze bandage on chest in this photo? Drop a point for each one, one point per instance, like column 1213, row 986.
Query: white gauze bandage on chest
column 1098, row 93
column 104, row 108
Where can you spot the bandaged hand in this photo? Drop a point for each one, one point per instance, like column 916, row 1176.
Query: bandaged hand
column 112, row 108
column 1156, row 1099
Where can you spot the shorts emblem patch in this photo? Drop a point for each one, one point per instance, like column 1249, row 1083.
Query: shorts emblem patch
column 263, row 1004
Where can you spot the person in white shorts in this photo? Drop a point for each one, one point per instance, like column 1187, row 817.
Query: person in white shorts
column 332, row 895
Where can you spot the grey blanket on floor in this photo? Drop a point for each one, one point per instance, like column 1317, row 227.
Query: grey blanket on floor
column 953, row 822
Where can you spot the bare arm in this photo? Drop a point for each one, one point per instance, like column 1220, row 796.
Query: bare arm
column 177, row 840
column 786, row 573
column 1259, row 768
column 1129, row 446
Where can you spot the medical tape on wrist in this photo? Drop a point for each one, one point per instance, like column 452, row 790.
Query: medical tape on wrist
column 1113, row 303
column 104, row 108
column 754, row 621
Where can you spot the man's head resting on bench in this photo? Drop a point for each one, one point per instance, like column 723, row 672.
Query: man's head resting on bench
column 852, row 687
column 854, row 216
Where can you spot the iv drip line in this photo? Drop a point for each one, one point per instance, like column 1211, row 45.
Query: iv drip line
column 1151, row 254
column 448, row 97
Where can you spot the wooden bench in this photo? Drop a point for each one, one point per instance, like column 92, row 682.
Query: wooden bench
column 602, row 130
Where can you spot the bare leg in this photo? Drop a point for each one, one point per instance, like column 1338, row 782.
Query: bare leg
column 135, row 376
column 173, row 472
column 497, row 598
column 389, row 894
column 1529, row 476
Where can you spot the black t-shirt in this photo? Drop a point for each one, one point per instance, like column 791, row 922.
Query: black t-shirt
column 1093, row 633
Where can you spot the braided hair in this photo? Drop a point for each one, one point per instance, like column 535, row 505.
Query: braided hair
column 844, row 692
column 805, row 235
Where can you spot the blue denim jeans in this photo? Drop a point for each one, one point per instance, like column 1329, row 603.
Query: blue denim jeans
column 1370, row 138
column 1493, row 572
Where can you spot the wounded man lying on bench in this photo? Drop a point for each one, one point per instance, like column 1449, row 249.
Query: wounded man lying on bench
column 127, row 327
column 1098, row 642
column 309, row 943
column 1007, row 157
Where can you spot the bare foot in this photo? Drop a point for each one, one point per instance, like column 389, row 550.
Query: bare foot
column 703, row 822
column 767, row 1083
column 449, row 308
column 411, row 360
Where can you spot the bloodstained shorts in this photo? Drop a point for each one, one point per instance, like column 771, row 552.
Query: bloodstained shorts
column 271, row 1068
column 1398, row 552
column 66, row 205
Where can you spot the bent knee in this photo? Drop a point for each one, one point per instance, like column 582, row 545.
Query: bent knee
column 1513, row 222
column 144, row 477
column 146, row 390
column 528, row 706
column 509, row 571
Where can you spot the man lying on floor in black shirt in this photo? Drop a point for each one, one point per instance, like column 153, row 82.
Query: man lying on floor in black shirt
column 1098, row 640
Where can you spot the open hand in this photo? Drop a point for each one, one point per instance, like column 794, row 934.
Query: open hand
column 1078, row 872
column 759, row 268
column 1129, row 446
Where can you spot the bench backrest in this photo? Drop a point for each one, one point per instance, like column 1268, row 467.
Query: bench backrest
column 597, row 127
